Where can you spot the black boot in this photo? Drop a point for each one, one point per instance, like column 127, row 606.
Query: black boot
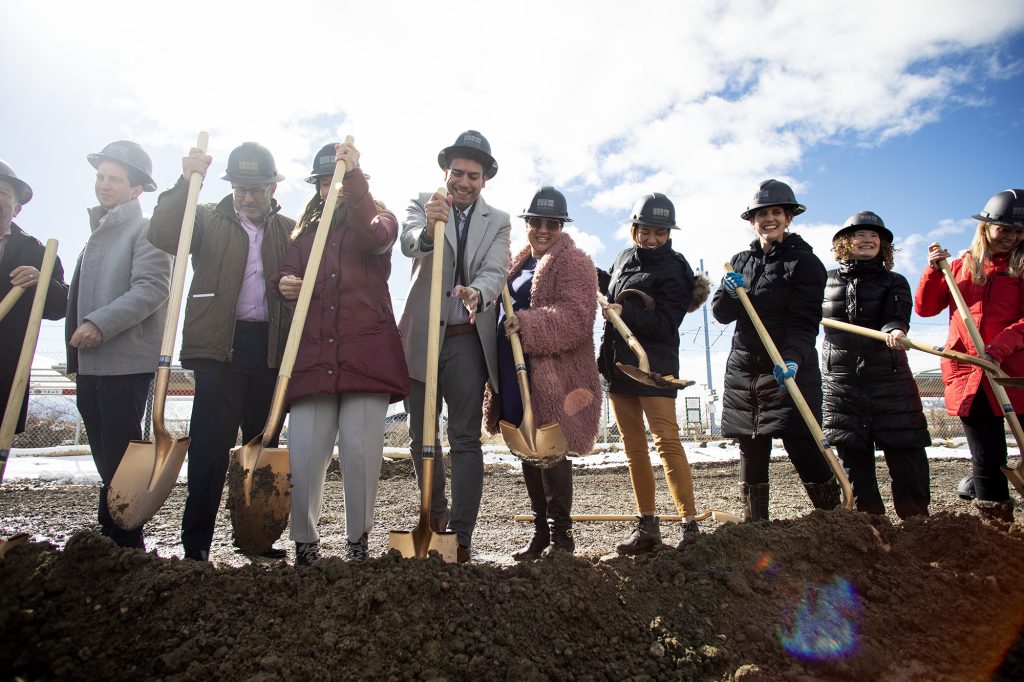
column 825, row 495
column 995, row 511
column 755, row 501
column 538, row 543
column 691, row 531
column 562, row 541
column 644, row 538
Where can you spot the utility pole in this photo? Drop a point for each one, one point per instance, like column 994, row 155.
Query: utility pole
column 712, row 397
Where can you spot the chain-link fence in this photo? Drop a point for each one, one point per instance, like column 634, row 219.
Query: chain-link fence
column 53, row 418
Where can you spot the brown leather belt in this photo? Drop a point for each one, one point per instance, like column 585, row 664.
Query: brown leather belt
column 456, row 329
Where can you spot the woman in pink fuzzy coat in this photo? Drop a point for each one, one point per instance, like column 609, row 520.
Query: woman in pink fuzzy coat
column 554, row 291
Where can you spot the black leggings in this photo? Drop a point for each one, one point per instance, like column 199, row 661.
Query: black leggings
column 756, row 452
column 986, row 437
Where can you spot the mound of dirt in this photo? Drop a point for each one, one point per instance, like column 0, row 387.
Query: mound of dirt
column 830, row 595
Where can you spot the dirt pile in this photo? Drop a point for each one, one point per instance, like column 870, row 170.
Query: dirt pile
column 830, row 595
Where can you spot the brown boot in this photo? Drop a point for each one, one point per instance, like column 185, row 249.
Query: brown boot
column 644, row 538
column 825, row 495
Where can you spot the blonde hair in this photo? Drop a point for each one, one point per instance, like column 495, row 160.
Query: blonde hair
column 842, row 247
column 981, row 251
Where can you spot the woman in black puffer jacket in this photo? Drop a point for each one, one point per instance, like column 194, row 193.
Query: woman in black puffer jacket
column 785, row 282
column 871, row 398
column 653, row 288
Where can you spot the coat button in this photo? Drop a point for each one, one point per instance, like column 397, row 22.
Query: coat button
column 330, row 371
column 330, row 340
column 333, row 275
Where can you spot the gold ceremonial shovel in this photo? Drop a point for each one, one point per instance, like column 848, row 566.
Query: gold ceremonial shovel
column 148, row 471
column 543, row 446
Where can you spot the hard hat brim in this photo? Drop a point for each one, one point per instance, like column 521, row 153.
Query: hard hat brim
column 563, row 218
column 96, row 159
column 883, row 232
column 749, row 213
column 445, row 155
column 21, row 187
column 1004, row 223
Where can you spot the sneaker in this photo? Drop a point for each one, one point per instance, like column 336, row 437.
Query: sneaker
column 307, row 553
column 358, row 550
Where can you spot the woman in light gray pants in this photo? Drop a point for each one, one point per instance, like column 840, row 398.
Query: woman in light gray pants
column 350, row 364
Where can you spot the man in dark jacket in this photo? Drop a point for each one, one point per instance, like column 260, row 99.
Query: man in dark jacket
column 20, row 258
column 234, row 334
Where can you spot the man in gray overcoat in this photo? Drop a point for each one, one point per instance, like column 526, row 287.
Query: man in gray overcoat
column 116, row 312
column 476, row 242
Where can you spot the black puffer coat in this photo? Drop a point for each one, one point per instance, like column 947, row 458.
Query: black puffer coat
column 785, row 286
column 870, row 392
column 664, row 275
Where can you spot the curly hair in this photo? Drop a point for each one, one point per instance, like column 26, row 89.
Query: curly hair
column 842, row 247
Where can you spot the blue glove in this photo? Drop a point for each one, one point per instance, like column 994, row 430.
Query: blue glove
column 731, row 281
column 782, row 374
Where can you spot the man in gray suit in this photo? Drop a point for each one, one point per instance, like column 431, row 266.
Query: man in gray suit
column 116, row 311
column 476, row 244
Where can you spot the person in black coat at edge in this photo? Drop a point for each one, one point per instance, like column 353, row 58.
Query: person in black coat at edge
column 21, row 256
column 786, row 284
column 871, row 398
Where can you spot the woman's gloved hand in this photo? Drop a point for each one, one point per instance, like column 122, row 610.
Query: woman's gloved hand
column 783, row 373
column 731, row 281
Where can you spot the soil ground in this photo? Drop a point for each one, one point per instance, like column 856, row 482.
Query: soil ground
column 809, row 596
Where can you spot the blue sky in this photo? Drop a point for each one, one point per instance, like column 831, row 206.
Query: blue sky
column 914, row 109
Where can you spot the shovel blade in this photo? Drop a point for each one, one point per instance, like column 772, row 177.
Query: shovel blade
column 259, row 495
column 543, row 447
column 653, row 378
column 144, row 478
column 1016, row 479
column 421, row 541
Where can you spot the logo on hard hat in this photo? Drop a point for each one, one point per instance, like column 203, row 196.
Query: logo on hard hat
column 473, row 138
column 763, row 194
column 325, row 159
column 248, row 167
column 661, row 213
column 545, row 203
column 1018, row 211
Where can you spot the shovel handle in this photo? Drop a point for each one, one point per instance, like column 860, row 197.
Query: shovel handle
column 979, row 346
column 12, row 297
column 291, row 346
column 630, row 338
column 517, row 346
column 28, row 349
column 797, row 396
column 907, row 342
column 433, row 340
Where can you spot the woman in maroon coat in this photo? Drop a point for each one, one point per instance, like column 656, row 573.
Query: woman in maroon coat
column 554, row 291
column 350, row 364
column 990, row 275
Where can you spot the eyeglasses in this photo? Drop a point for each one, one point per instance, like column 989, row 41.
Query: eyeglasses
column 553, row 225
column 256, row 191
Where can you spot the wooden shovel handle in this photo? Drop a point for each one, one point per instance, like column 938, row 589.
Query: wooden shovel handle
column 907, row 342
column 163, row 372
column 631, row 340
column 979, row 347
column 433, row 340
column 291, row 346
column 798, row 397
column 28, row 349
column 12, row 297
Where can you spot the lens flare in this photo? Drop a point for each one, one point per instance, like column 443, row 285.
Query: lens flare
column 767, row 566
column 824, row 624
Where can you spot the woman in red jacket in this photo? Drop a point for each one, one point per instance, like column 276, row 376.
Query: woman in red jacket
column 989, row 277
column 350, row 364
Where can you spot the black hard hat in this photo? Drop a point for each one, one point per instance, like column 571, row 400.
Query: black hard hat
column 773, row 193
column 21, row 188
column 252, row 164
column 477, row 145
column 548, row 202
column 864, row 220
column 130, row 154
column 965, row 488
column 323, row 163
column 655, row 210
column 1005, row 208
